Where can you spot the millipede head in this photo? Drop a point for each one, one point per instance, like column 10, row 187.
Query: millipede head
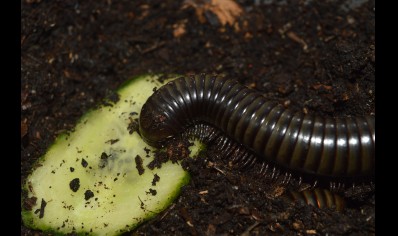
column 152, row 126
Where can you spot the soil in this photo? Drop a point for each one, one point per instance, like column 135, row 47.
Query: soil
column 313, row 56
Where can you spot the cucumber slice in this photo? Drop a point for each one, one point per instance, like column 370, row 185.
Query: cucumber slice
column 88, row 182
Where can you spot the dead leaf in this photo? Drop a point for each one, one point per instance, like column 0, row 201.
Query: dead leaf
column 226, row 11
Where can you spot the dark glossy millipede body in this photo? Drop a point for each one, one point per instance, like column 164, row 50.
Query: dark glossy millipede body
column 334, row 148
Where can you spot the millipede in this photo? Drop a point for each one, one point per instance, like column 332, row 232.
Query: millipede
column 320, row 149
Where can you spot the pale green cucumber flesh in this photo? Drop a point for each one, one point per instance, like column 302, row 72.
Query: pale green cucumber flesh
column 89, row 180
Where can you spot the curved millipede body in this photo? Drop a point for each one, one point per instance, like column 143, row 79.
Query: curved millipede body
column 321, row 198
column 338, row 149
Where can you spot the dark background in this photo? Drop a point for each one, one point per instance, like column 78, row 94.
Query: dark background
column 313, row 56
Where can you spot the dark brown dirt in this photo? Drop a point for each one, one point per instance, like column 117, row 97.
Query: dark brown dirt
column 315, row 56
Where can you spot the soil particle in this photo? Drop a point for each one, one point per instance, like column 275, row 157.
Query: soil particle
column 88, row 194
column 103, row 160
column 133, row 125
column 84, row 163
column 74, row 184
column 138, row 165
column 156, row 179
column 153, row 192
column 103, row 156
